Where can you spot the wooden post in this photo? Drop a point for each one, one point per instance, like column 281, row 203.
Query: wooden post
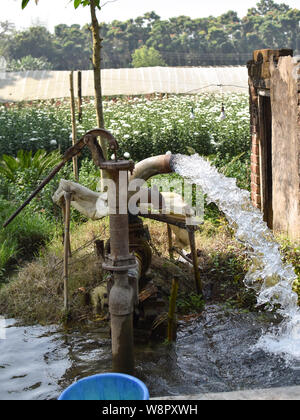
column 170, row 242
column 198, row 282
column 172, row 309
column 79, row 82
column 74, row 129
column 68, row 197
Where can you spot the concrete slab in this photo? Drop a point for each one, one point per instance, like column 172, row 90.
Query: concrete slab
column 275, row 394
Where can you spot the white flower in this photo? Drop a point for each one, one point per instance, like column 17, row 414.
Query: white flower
column 53, row 142
column 127, row 155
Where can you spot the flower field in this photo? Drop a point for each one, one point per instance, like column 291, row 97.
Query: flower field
column 143, row 127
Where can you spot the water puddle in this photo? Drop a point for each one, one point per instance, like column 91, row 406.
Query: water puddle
column 215, row 353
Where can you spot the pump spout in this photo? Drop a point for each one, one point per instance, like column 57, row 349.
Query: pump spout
column 152, row 166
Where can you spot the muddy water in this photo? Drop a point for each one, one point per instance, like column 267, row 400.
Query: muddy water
column 214, row 353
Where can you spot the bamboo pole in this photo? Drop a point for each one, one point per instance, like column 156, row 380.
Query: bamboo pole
column 198, row 282
column 79, row 85
column 170, row 242
column 96, row 61
column 74, row 128
column 68, row 197
column 172, row 309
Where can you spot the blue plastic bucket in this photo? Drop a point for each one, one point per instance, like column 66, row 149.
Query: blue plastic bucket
column 106, row 386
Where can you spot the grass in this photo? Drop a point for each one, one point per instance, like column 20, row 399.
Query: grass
column 22, row 239
column 291, row 255
column 35, row 294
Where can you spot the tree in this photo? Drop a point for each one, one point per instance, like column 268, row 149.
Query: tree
column 181, row 41
column 266, row 6
column 6, row 31
column 73, row 47
column 147, row 57
column 96, row 59
column 36, row 41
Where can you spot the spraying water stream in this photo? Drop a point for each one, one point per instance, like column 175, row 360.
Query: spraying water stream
column 271, row 279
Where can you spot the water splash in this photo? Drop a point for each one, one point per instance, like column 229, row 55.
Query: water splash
column 268, row 275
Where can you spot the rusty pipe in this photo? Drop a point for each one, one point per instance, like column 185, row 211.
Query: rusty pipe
column 123, row 293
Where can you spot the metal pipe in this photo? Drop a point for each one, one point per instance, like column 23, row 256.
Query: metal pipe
column 68, row 197
column 152, row 166
column 122, row 294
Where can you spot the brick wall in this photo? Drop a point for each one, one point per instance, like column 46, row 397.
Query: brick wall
column 255, row 170
column 274, row 87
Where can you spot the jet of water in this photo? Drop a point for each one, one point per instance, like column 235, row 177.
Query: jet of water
column 268, row 275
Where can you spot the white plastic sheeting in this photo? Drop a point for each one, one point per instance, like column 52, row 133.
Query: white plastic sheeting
column 35, row 85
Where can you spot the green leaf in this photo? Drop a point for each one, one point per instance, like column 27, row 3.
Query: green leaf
column 97, row 3
column 24, row 3
column 77, row 3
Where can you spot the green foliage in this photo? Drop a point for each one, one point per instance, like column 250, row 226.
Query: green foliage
column 10, row 166
column 21, row 175
column 89, row 174
column 291, row 255
column 22, row 238
column 24, row 3
column 147, row 57
column 235, row 167
column 29, row 63
column 191, row 303
column 77, row 3
column 84, row 3
column 72, row 46
column 36, row 42
column 181, row 41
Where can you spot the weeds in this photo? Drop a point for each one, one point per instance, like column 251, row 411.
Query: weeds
column 22, row 238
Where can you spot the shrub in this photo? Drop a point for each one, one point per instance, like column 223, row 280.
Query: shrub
column 23, row 237
column 29, row 63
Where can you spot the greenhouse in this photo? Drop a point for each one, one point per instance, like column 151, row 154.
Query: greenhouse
column 40, row 85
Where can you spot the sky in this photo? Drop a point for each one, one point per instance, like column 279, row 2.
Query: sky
column 53, row 12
